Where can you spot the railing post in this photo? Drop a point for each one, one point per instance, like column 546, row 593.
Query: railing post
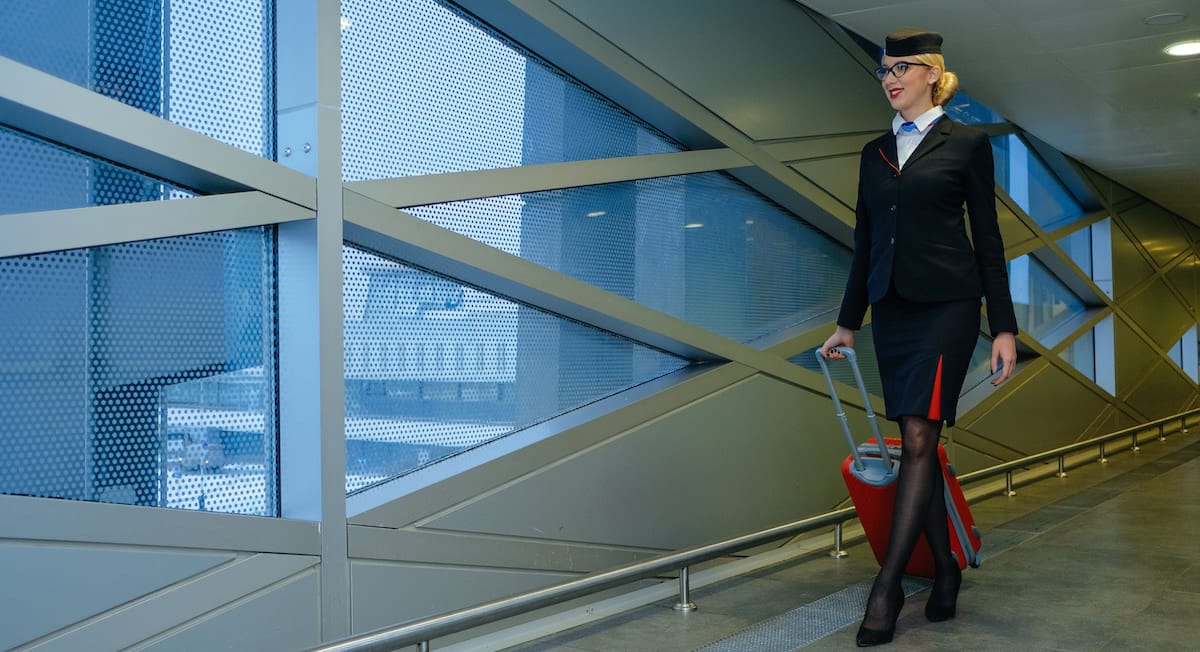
column 423, row 646
column 1008, row 484
column 1062, row 466
column 1162, row 432
column 685, row 603
column 837, row 552
column 1103, row 457
column 1135, row 448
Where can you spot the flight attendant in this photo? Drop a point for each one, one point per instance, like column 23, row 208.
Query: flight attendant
column 923, row 279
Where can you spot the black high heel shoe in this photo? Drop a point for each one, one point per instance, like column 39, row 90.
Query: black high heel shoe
column 943, row 597
column 868, row 637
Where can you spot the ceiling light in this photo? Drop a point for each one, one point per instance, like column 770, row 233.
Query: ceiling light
column 345, row 22
column 597, row 214
column 1169, row 18
column 693, row 225
column 1183, row 48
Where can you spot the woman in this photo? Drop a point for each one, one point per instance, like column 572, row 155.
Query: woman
column 914, row 265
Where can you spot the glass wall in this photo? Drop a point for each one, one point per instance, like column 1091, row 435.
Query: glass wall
column 703, row 248
column 1041, row 301
column 204, row 64
column 1032, row 185
column 37, row 175
column 427, row 89
column 142, row 373
column 434, row 367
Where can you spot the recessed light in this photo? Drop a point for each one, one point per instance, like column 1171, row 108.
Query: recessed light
column 345, row 22
column 1169, row 18
column 1183, row 48
column 597, row 214
column 693, row 225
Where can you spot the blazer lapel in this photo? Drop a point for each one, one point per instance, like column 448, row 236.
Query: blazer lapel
column 933, row 140
column 887, row 147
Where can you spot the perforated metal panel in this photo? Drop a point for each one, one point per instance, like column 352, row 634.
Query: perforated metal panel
column 426, row 89
column 434, row 367
column 205, row 64
column 36, row 175
column 142, row 373
column 702, row 247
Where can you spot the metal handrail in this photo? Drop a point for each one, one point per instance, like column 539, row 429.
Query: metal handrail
column 422, row 631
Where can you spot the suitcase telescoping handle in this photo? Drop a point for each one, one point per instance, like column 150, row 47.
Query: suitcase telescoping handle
column 852, row 358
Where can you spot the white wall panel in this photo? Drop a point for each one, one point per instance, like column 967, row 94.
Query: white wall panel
column 756, row 454
column 283, row 617
column 73, row 583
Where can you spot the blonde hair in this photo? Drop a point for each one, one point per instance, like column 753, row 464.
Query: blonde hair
column 947, row 83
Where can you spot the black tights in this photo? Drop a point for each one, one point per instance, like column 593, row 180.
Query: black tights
column 920, row 507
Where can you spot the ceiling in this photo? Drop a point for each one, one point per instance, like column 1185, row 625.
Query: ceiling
column 1087, row 76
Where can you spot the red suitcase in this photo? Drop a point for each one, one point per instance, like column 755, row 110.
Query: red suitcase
column 870, row 474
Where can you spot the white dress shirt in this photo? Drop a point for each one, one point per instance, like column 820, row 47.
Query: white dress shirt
column 908, row 139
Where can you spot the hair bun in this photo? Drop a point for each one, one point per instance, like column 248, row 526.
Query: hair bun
column 945, row 89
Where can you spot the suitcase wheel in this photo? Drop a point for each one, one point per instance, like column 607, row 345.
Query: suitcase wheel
column 975, row 564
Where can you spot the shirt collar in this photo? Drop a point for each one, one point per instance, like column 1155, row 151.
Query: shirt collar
column 923, row 121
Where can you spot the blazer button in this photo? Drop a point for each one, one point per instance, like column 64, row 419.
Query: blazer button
column 893, row 208
column 892, row 241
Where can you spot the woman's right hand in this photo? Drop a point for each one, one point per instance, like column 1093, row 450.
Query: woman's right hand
column 842, row 336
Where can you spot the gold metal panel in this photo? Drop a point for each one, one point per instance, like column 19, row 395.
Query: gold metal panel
column 1164, row 392
column 1160, row 314
column 1133, row 355
column 1012, row 230
column 1157, row 230
column 837, row 175
column 1049, row 409
column 1129, row 266
column 1183, row 278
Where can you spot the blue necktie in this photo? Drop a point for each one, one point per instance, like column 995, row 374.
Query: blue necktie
column 909, row 127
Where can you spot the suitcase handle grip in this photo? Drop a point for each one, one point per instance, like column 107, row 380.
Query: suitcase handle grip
column 852, row 357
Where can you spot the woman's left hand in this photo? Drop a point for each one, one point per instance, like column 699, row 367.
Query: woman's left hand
column 1004, row 350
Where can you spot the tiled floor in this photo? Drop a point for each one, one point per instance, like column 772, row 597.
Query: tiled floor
column 1105, row 559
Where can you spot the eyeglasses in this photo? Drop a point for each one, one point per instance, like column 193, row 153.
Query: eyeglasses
column 897, row 69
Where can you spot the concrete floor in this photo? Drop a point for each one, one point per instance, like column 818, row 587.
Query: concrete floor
column 1105, row 559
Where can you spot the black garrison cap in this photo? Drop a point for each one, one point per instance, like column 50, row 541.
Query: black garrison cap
column 908, row 41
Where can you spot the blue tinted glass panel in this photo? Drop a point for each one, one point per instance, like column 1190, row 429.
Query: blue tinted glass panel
column 142, row 373
column 434, row 367
column 868, row 365
column 967, row 110
column 1078, row 246
column 426, row 89
column 36, row 175
column 1041, row 301
column 702, row 247
column 1032, row 185
column 203, row 64
column 1081, row 354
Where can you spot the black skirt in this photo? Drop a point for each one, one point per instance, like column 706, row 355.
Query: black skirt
column 924, row 350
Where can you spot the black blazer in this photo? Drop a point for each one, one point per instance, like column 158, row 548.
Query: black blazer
column 910, row 232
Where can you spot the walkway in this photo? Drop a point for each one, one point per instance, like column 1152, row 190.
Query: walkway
column 1105, row 559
